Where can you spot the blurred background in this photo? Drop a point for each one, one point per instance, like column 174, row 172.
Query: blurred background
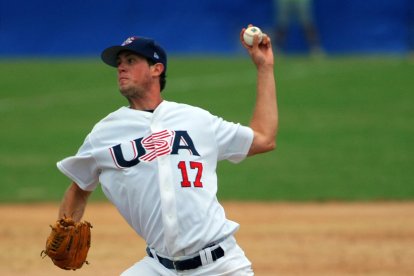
column 344, row 71
column 48, row 28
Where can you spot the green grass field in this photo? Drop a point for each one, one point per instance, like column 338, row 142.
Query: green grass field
column 346, row 124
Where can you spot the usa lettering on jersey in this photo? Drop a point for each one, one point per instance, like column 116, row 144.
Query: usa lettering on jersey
column 147, row 149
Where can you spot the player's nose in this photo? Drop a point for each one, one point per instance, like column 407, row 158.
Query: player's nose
column 121, row 67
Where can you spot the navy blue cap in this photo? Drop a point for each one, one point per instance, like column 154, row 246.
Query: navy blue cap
column 142, row 46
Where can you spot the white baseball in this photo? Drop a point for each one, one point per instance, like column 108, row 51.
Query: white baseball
column 249, row 35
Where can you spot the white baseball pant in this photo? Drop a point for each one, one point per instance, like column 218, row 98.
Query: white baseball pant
column 233, row 263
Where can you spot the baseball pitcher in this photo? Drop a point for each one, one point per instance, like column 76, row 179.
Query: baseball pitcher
column 156, row 162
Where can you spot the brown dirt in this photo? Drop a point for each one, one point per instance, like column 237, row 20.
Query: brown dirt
column 279, row 239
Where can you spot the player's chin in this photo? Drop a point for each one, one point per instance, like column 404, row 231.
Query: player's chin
column 125, row 91
column 124, row 85
column 128, row 91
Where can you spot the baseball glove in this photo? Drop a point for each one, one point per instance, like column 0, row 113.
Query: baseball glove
column 68, row 243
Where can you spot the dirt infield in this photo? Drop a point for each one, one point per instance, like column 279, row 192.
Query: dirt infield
column 280, row 239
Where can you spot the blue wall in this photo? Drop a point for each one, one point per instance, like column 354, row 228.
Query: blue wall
column 85, row 27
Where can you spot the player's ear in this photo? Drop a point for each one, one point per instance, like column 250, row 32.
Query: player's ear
column 157, row 69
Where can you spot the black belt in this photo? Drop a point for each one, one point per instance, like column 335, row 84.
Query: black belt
column 187, row 264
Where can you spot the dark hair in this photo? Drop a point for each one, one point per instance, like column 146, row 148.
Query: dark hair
column 163, row 76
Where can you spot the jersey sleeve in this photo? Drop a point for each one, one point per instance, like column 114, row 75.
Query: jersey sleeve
column 233, row 140
column 81, row 168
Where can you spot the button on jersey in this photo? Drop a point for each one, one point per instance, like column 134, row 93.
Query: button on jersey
column 159, row 170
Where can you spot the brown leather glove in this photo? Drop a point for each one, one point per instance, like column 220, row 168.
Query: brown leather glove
column 68, row 243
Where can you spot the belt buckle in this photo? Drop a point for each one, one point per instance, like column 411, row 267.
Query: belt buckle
column 174, row 265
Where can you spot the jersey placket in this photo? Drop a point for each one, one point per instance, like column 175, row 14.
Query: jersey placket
column 167, row 195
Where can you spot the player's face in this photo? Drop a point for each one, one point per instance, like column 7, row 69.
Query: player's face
column 134, row 77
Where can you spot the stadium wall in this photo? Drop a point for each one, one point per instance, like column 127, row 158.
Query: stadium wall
column 79, row 27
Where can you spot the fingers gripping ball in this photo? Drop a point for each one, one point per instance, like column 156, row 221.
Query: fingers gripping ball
column 249, row 34
column 68, row 243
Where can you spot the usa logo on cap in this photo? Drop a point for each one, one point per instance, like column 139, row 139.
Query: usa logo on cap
column 129, row 40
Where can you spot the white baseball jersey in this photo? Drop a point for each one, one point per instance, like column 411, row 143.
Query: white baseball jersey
column 159, row 170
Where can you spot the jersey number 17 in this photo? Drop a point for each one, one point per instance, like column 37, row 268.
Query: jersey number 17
column 194, row 166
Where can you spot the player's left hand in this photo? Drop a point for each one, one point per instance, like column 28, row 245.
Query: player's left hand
column 261, row 53
column 68, row 243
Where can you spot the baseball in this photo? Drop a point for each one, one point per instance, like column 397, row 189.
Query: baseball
column 249, row 34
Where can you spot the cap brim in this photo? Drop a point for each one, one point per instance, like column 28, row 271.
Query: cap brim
column 110, row 55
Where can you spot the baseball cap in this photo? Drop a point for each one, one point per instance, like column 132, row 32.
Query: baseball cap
column 142, row 46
